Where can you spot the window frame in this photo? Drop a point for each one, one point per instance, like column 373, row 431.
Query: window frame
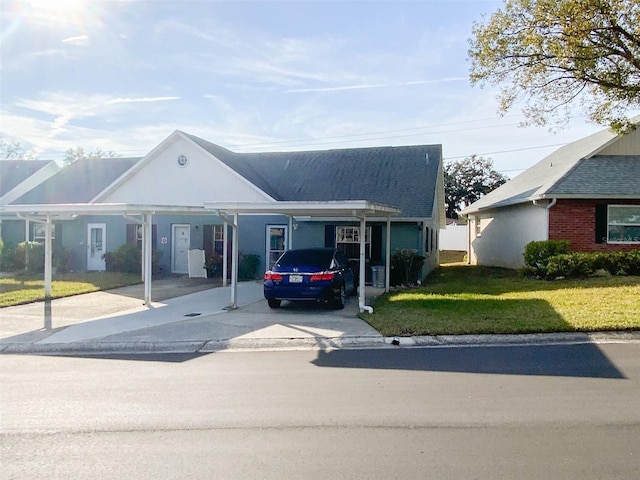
column 347, row 235
column 624, row 225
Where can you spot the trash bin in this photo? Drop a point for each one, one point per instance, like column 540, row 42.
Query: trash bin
column 378, row 276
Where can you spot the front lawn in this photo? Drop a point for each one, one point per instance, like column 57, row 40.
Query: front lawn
column 463, row 299
column 30, row 288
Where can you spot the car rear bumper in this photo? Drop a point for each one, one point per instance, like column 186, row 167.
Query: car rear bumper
column 299, row 292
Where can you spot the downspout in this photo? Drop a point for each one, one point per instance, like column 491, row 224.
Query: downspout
column 547, row 207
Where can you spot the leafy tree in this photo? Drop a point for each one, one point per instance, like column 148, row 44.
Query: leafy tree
column 73, row 154
column 467, row 180
column 12, row 150
column 555, row 54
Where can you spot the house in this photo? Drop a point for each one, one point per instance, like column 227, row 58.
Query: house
column 197, row 192
column 18, row 177
column 587, row 192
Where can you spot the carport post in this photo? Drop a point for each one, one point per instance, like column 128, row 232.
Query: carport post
column 234, row 263
column 387, row 269
column 362, row 288
column 225, row 257
column 47, row 257
column 147, row 261
column 290, row 237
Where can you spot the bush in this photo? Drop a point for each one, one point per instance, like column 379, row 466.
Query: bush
column 213, row 265
column 7, row 258
column 127, row 258
column 248, row 266
column 570, row 265
column 406, row 267
column 29, row 257
column 537, row 255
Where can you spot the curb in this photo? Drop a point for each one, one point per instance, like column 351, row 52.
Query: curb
column 317, row 343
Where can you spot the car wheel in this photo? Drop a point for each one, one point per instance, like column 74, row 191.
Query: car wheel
column 273, row 303
column 341, row 299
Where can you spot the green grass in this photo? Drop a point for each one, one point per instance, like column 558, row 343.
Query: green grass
column 463, row 299
column 30, row 288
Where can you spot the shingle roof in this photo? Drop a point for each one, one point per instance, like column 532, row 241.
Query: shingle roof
column 602, row 175
column 79, row 182
column 14, row 172
column 565, row 170
column 403, row 177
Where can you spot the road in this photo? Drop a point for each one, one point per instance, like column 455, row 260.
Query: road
column 542, row 412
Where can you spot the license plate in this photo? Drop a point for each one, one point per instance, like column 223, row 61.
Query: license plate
column 295, row 278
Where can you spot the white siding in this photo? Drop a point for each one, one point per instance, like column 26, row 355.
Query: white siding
column 625, row 145
column 162, row 181
column 504, row 234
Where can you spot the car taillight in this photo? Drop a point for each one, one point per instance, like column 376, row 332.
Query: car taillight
column 322, row 276
column 272, row 276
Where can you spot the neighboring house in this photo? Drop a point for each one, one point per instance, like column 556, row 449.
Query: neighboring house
column 587, row 192
column 184, row 174
column 18, row 177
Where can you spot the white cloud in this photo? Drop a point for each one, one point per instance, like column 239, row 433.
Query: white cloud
column 79, row 40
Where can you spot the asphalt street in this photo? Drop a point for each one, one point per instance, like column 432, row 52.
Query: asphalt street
column 526, row 412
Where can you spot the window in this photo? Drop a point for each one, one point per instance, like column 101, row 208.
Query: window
column 218, row 239
column 276, row 242
column 134, row 234
column 478, row 227
column 623, row 224
column 348, row 241
column 39, row 232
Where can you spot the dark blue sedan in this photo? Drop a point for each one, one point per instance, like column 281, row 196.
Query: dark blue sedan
column 312, row 274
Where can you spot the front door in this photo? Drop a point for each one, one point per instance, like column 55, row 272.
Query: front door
column 276, row 243
column 96, row 246
column 181, row 241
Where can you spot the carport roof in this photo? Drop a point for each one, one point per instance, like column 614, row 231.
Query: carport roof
column 348, row 208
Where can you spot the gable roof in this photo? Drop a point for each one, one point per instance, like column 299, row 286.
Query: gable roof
column 403, row 177
column 14, row 172
column 574, row 170
column 79, row 182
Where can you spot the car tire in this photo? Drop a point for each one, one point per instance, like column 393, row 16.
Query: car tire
column 341, row 298
column 273, row 303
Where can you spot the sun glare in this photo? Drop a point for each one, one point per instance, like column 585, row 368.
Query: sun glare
column 56, row 5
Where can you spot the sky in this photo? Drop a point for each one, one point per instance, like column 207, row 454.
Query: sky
column 256, row 76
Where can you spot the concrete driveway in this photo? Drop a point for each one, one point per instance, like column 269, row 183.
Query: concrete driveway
column 118, row 320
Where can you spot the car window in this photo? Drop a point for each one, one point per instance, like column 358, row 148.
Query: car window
column 315, row 258
column 341, row 258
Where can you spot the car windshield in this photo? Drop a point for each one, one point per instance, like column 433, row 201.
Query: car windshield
column 312, row 258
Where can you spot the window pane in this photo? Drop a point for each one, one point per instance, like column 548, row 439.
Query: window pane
column 624, row 215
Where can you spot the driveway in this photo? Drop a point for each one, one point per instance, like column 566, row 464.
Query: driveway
column 118, row 318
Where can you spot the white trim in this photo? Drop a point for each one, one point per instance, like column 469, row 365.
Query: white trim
column 267, row 258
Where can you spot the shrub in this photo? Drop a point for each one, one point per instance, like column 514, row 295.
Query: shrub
column 537, row 254
column 248, row 266
column 213, row 265
column 29, row 257
column 127, row 258
column 573, row 264
column 7, row 258
column 406, row 266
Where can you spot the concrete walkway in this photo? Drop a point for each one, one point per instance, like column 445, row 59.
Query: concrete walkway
column 193, row 319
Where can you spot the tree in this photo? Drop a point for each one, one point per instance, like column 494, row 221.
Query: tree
column 73, row 154
column 12, row 150
column 556, row 54
column 467, row 180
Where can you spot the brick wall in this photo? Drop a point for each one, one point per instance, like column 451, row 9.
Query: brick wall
column 575, row 220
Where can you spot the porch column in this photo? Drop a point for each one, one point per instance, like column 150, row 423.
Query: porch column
column 234, row 263
column 362, row 287
column 147, row 257
column 47, row 256
column 387, row 262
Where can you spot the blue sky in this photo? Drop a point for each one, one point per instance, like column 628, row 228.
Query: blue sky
column 255, row 76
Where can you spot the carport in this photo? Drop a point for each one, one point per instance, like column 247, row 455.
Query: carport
column 358, row 210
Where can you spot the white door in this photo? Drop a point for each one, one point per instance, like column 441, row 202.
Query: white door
column 181, row 241
column 96, row 246
column 276, row 243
